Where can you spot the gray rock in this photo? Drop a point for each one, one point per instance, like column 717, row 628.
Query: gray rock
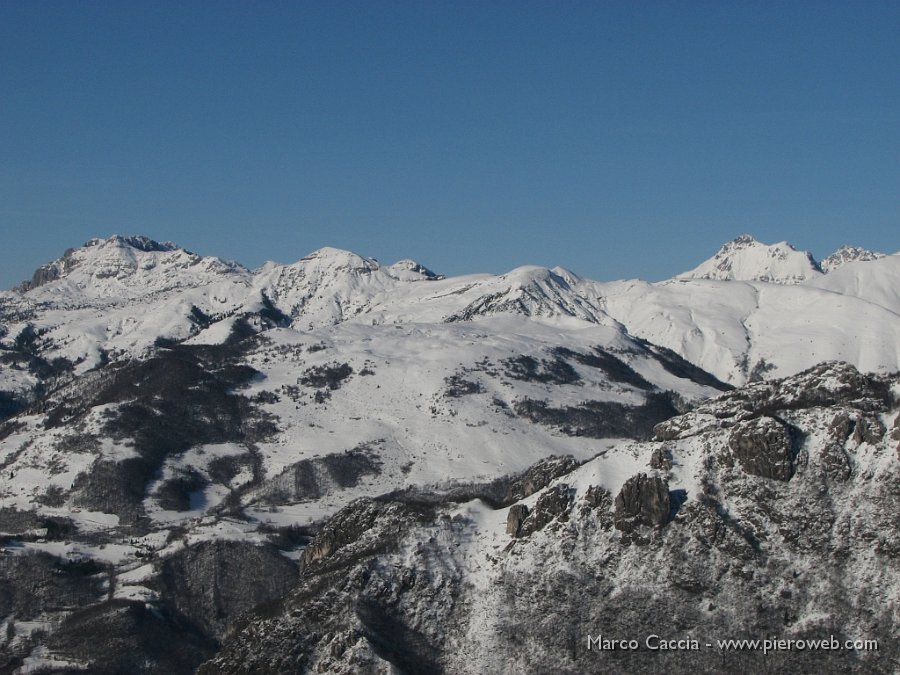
column 840, row 427
column 661, row 458
column 643, row 500
column 596, row 497
column 215, row 582
column 895, row 434
column 764, row 447
column 551, row 505
column 836, row 463
column 515, row 518
column 539, row 476
column 868, row 429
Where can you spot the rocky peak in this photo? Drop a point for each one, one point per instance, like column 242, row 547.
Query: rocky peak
column 643, row 500
column 410, row 270
column 138, row 242
column 847, row 254
column 746, row 259
column 130, row 261
column 534, row 291
column 764, row 448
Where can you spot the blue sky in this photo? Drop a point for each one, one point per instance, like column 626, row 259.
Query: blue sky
column 617, row 139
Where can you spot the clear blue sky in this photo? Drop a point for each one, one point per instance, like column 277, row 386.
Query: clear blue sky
column 617, row 139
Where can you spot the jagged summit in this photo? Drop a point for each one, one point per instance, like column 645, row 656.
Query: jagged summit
column 138, row 241
column 847, row 254
column 102, row 267
column 746, row 259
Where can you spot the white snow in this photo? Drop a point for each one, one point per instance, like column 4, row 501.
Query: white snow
column 746, row 259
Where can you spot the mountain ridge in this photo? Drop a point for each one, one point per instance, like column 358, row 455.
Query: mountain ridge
column 154, row 291
column 721, row 264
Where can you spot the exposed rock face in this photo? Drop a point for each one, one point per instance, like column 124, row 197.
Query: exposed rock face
column 49, row 272
column 643, row 500
column 661, row 459
column 868, row 429
column 764, row 448
column 553, row 504
column 596, row 497
column 515, row 518
column 895, row 434
column 215, row 582
column 355, row 530
column 847, row 254
column 539, row 476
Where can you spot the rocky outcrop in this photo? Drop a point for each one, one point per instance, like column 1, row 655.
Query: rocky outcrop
column 847, row 254
column 764, row 448
column 553, row 504
column 215, row 582
column 661, row 459
column 515, row 518
column 538, row 476
column 596, row 497
column 868, row 429
column 362, row 528
column 642, row 501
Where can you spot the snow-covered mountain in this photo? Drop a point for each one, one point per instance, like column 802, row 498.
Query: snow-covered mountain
column 847, row 254
column 176, row 422
column 746, row 259
column 116, row 298
column 125, row 267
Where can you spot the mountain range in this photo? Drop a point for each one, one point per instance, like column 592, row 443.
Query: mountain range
column 336, row 465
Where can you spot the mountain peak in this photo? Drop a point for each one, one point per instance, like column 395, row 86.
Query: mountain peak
column 846, row 254
column 137, row 241
column 410, row 270
column 127, row 260
column 747, row 259
column 328, row 256
column 742, row 241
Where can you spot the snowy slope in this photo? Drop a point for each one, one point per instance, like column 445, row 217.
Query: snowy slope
column 876, row 280
column 743, row 330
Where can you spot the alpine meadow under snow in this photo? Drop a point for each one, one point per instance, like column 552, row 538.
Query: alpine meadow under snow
column 341, row 466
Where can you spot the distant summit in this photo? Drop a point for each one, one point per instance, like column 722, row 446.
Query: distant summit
column 410, row 270
column 106, row 266
column 846, row 254
column 746, row 259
